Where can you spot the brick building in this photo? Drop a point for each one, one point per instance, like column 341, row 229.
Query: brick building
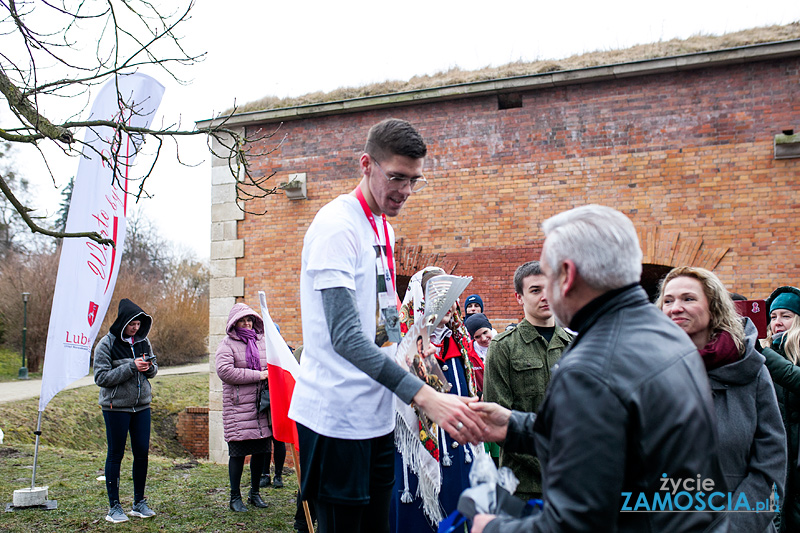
column 695, row 149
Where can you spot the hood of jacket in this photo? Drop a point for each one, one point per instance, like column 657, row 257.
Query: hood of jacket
column 130, row 311
column 240, row 311
column 746, row 369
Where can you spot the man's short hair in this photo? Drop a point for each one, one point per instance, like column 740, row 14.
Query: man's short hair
column 394, row 137
column 602, row 243
column 531, row 268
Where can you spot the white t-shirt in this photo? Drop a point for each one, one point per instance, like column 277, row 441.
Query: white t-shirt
column 480, row 350
column 333, row 397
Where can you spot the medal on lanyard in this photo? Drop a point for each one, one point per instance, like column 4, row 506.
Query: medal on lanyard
column 392, row 323
column 386, row 299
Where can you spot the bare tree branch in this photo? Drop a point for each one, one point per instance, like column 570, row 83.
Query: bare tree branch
column 35, row 228
column 29, row 112
column 39, row 62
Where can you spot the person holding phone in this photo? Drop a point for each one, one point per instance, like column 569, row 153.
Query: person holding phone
column 123, row 364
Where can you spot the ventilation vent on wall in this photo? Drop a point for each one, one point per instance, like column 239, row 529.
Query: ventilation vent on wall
column 295, row 188
column 509, row 100
column 787, row 145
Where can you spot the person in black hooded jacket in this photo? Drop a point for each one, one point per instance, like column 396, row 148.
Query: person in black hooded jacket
column 123, row 363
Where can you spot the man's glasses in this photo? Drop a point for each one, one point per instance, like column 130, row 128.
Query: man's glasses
column 398, row 182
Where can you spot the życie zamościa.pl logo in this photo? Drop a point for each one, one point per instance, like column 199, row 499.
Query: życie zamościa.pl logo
column 694, row 495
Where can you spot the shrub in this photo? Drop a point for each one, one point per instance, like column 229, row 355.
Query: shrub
column 34, row 273
column 178, row 304
column 176, row 298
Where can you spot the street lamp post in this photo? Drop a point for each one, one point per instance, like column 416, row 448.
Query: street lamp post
column 23, row 371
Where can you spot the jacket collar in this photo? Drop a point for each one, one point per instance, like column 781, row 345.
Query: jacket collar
column 529, row 332
column 612, row 300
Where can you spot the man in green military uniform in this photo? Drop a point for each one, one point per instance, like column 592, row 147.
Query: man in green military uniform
column 518, row 366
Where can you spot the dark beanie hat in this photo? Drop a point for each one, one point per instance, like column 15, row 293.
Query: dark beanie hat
column 473, row 299
column 476, row 321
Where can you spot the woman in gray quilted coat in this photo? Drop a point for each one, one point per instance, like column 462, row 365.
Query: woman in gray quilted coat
column 241, row 363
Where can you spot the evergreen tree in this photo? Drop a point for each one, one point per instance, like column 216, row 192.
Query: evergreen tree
column 63, row 209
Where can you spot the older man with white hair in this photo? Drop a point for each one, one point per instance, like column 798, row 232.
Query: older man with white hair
column 629, row 408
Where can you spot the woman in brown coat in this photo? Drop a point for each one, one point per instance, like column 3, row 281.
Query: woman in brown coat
column 241, row 362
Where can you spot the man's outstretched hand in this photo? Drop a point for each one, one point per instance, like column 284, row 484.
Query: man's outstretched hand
column 495, row 420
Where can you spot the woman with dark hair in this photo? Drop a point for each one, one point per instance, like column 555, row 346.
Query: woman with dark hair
column 782, row 351
column 241, row 362
column 123, row 364
column 752, row 447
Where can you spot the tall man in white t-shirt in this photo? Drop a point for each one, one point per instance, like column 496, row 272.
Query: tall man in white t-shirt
column 343, row 400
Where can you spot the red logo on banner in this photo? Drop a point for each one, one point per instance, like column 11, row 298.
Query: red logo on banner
column 92, row 313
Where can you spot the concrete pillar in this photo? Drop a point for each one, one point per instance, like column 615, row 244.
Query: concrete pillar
column 226, row 286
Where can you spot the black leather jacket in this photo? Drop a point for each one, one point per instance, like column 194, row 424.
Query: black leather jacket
column 628, row 402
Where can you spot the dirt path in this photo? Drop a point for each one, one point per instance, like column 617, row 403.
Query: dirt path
column 11, row 391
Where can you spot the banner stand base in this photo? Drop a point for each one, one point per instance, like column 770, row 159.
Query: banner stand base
column 35, row 498
column 32, row 497
column 48, row 505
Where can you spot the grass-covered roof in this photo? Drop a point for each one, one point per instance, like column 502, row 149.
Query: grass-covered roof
column 453, row 76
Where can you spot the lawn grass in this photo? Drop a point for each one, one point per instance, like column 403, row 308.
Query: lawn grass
column 10, row 362
column 186, row 494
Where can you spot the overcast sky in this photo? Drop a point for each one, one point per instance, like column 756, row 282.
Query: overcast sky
column 290, row 48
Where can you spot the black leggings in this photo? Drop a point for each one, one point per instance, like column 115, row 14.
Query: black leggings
column 118, row 425
column 236, row 467
column 279, row 450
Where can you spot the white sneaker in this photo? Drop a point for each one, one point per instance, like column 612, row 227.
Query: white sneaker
column 141, row 509
column 116, row 514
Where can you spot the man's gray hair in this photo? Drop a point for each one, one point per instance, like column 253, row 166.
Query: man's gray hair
column 602, row 243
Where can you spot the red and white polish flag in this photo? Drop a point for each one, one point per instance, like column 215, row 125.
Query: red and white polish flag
column 283, row 368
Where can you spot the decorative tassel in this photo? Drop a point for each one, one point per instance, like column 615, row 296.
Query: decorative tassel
column 406, row 496
column 420, row 462
column 446, row 459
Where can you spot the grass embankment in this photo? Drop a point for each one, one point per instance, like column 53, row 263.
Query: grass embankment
column 10, row 362
column 187, row 495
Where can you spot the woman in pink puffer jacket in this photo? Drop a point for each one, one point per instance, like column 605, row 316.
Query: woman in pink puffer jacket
column 241, row 362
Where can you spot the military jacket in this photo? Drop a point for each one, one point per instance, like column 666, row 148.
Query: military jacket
column 517, row 374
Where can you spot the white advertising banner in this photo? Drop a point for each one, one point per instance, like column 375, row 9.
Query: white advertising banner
column 87, row 271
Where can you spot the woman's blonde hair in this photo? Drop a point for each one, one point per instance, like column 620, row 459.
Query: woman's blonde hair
column 790, row 341
column 721, row 309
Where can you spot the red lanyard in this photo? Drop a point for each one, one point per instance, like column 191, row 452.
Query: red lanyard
column 371, row 218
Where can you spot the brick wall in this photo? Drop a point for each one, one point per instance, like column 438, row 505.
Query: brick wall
column 192, row 430
column 687, row 153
